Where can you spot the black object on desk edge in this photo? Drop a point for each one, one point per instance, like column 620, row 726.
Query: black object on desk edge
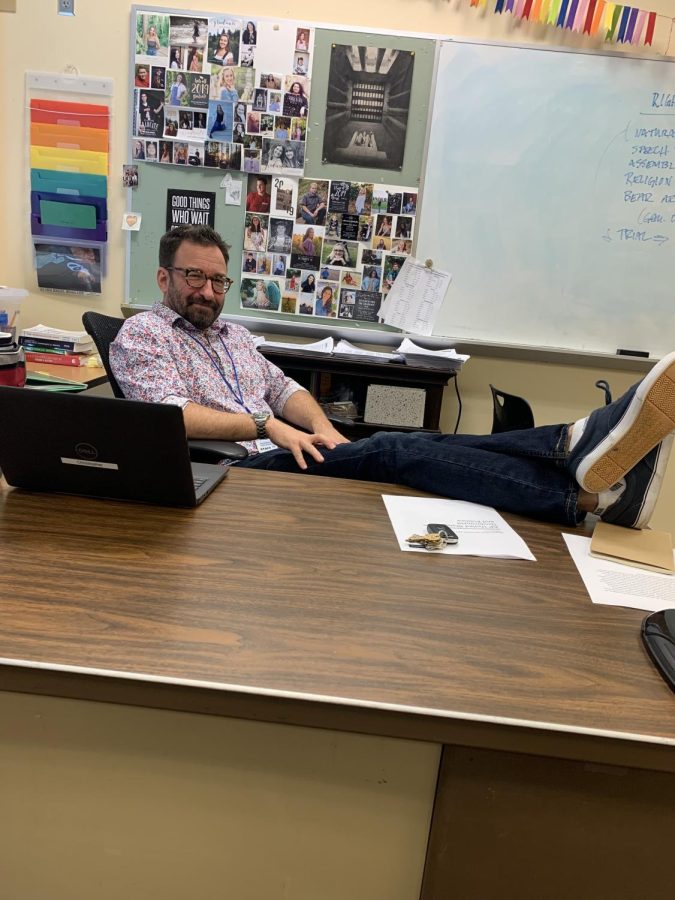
column 658, row 636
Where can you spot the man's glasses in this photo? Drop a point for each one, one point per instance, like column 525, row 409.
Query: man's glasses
column 220, row 284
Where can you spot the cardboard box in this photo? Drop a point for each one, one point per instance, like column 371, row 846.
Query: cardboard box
column 389, row 405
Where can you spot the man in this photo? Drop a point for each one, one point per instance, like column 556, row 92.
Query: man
column 259, row 199
column 391, row 275
column 142, row 79
column 280, row 240
column 611, row 463
column 249, row 263
column 158, row 77
column 300, row 67
column 313, row 206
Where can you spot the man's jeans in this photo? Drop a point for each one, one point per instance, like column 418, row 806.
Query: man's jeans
column 319, row 220
column 517, row 471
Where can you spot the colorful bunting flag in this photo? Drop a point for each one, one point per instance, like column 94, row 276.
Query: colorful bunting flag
column 580, row 16
column 623, row 24
column 589, row 17
column 597, row 17
column 553, row 11
column 639, row 28
column 650, row 29
column 615, row 18
column 632, row 20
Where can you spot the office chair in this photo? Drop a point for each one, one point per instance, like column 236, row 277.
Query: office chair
column 103, row 330
column 605, row 388
column 509, row 412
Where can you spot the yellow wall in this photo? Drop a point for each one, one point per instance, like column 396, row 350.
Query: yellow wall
column 96, row 42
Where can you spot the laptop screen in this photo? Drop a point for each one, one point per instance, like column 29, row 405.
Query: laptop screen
column 99, row 447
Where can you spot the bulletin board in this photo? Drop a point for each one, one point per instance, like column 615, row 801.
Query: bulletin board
column 376, row 233
column 547, row 190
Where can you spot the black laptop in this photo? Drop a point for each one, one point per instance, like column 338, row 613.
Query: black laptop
column 100, row 447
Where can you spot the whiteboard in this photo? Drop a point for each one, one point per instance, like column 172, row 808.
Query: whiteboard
column 549, row 194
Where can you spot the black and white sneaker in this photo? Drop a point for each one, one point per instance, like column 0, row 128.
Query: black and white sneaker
column 639, row 490
column 615, row 438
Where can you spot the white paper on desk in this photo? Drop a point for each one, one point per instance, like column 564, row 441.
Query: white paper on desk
column 415, row 298
column 616, row 584
column 481, row 530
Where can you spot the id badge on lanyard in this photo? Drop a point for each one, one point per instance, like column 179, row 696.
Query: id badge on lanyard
column 264, row 445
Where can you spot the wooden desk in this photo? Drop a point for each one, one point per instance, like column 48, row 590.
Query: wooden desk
column 289, row 602
column 93, row 376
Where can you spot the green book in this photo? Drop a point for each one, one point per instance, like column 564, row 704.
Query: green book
column 43, row 382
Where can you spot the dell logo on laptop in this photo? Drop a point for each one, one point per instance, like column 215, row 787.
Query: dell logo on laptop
column 86, row 451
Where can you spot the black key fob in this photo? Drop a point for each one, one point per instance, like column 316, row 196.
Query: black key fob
column 445, row 531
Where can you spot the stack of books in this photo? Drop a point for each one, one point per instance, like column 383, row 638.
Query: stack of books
column 56, row 347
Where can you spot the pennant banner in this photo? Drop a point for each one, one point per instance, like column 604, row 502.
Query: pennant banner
column 620, row 24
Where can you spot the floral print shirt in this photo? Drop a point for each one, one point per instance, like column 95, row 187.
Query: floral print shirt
column 160, row 357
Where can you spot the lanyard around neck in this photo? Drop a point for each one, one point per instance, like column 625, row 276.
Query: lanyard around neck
column 215, row 362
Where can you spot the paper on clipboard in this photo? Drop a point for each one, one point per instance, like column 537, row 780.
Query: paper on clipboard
column 415, row 298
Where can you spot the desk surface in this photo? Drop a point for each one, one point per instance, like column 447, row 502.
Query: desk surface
column 289, row 600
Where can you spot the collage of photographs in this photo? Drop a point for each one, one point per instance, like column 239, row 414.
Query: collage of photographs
column 206, row 95
column 322, row 248
column 220, row 92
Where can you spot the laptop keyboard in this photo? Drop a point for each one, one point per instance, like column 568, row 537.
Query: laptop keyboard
column 198, row 482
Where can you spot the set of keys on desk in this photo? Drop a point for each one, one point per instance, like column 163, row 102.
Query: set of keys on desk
column 436, row 538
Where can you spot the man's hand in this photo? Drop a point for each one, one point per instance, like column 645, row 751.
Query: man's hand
column 333, row 434
column 297, row 442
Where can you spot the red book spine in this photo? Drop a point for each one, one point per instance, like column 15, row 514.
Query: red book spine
column 55, row 359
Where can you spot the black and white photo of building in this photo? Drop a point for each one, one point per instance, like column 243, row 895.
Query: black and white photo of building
column 367, row 106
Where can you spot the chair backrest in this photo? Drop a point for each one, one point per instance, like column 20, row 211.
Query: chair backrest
column 104, row 330
column 510, row 412
column 605, row 388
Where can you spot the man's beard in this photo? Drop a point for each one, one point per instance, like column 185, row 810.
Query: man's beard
column 198, row 316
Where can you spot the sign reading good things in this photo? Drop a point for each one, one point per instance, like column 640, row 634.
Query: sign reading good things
column 190, row 208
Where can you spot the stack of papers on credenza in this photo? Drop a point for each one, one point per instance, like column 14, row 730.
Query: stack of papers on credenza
column 323, row 347
column 345, row 350
column 448, row 360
